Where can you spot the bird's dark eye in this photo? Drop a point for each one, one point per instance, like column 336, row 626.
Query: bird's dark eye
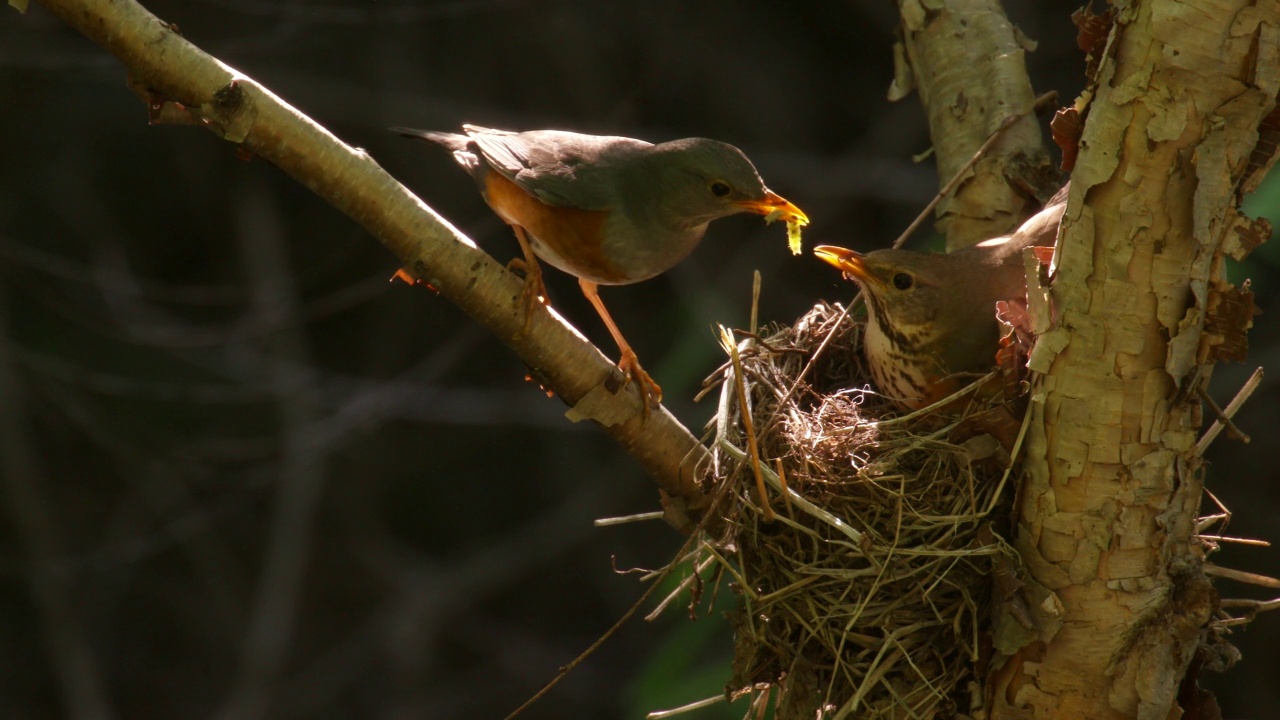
column 902, row 281
column 720, row 188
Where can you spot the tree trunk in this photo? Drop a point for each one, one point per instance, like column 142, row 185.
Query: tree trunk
column 1106, row 517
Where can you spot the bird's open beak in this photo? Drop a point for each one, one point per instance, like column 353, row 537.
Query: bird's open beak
column 848, row 261
column 775, row 207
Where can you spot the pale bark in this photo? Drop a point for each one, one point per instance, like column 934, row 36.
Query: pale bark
column 1107, row 512
column 968, row 63
column 1115, row 604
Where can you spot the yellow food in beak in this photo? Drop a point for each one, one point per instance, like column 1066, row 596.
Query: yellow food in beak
column 775, row 207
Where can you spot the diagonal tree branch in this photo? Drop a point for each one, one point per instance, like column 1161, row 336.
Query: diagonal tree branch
column 243, row 112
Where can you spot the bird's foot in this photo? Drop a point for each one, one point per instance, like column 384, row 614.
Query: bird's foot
column 650, row 392
column 403, row 276
column 535, row 292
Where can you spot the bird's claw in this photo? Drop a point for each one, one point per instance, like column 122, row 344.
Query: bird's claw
column 650, row 391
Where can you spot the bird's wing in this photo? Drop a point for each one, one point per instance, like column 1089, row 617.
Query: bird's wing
column 559, row 168
column 1040, row 229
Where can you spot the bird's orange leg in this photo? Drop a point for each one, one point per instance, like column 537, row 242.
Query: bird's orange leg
column 534, row 289
column 628, row 363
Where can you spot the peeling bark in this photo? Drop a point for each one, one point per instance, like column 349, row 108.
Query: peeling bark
column 1113, row 482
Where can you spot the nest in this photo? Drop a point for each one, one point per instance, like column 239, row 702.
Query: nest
column 864, row 576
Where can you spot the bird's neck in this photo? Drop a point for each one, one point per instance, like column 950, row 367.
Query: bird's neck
column 885, row 335
column 875, row 342
column 901, row 370
column 918, row 345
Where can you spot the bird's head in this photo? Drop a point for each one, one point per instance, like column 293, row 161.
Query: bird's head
column 703, row 180
column 919, row 302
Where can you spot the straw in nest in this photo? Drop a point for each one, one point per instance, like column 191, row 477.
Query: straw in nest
column 863, row 585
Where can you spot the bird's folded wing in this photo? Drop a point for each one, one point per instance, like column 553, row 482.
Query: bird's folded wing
column 559, row 168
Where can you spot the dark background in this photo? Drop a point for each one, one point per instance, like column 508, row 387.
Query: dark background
column 260, row 468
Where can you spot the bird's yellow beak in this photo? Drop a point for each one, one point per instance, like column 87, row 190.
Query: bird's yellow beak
column 775, row 207
column 848, row 261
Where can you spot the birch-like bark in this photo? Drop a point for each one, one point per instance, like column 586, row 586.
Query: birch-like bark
column 1106, row 516
column 968, row 63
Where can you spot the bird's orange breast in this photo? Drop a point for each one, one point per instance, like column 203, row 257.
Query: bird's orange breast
column 571, row 239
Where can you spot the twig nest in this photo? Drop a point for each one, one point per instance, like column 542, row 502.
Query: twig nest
column 864, row 582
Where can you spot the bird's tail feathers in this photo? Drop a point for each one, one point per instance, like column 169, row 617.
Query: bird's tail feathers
column 452, row 141
column 459, row 145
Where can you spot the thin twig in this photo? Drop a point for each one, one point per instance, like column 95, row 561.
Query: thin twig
column 566, row 669
column 1219, row 416
column 755, row 302
column 1230, row 410
column 1238, row 541
column 1253, row 605
column 694, row 576
column 624, row 519
column 962, row 173
column 782, row 478
column 764, row 344
column 771, row 478
column 1240, row 576
column 967, row 389
column 706, row 702
column 1013, row 460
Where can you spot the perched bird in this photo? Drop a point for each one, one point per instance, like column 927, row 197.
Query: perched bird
column 931, row 317
column 608, row 210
